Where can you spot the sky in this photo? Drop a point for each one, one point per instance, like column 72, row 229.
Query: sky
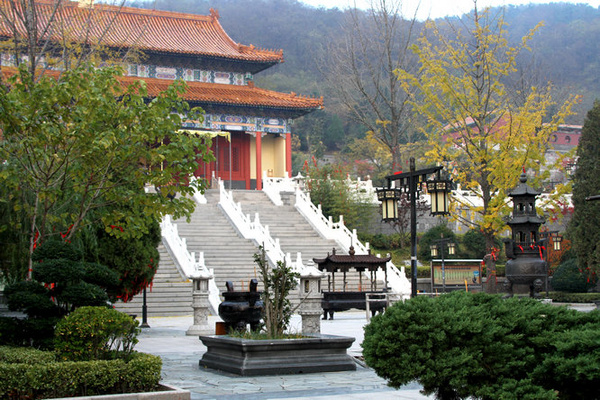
column 440, row 8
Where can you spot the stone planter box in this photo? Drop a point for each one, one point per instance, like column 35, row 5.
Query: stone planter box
column 165, row 392
column 248, row 357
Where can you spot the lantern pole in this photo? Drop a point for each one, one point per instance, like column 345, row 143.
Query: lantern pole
column 410, row 182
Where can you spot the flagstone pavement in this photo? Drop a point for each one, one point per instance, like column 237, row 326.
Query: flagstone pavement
column 180, row 354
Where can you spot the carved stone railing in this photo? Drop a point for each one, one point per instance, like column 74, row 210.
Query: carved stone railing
column 185, row 260
column 252, row 230
column 273, row 187
column 199, row 197
column 345, row 238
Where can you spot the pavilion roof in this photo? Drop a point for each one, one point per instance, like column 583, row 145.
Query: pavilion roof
column 145, row 30
column 356, row 261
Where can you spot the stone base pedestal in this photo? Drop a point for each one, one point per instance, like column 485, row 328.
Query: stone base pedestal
column 311, row 322
column 249, row 357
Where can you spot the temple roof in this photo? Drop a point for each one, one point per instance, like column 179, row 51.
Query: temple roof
column 146, row 30
column 221, row 94
column 233, row 95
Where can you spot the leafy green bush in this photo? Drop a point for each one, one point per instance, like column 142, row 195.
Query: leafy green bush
column 422, row 272
column 45, row 378
column 568, row 278
column 11, row 331
column 95, row 333
column 25, row 355
column 463, row 345
column 62, row 282
column 565, row 297
column 135, row 260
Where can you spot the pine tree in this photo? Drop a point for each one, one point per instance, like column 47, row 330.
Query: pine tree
column 584, row 229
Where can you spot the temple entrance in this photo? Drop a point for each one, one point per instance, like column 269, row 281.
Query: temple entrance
column 232, row 162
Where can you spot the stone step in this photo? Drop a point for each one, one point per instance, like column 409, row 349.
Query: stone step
column 231, row 256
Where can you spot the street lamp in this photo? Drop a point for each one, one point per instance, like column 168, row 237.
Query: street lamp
column 439, row 190
column 411, row 182
column 440, row 244
column 389, row 203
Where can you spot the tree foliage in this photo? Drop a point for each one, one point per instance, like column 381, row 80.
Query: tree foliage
column 330, row 188
column 61, row 282
column 437, row 232
column 360, row 70
column 465, row 345
column 476, row 123
column 583, row 230
column 80, row 146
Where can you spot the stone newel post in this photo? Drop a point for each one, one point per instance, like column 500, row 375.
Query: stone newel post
column 200, row 302
column 310, row 296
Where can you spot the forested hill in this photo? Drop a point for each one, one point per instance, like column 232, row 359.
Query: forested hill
column 565, row 51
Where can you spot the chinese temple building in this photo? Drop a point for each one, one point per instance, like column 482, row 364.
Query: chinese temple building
column 250, row 126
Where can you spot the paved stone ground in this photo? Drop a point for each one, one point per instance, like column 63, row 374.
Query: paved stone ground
column 180, row 354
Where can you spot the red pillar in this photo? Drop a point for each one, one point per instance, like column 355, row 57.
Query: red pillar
column 288, row 154
column 258, row 160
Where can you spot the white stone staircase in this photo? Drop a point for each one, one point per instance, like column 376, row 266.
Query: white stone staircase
column 225, row 252
column 217, row 230
column 295, row 234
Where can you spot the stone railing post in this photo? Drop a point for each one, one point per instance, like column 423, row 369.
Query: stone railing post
column 310, row 299
column 200, row 303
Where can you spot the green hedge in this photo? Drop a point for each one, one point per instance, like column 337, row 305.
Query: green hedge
column 564, row 297
column 25, row 355
column 25, row 378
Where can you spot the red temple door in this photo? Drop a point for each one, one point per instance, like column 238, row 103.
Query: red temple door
column 232, row 161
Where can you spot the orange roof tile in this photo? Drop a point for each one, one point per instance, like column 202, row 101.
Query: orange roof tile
column 249, row 96
column 147, row 30
column 218, row 94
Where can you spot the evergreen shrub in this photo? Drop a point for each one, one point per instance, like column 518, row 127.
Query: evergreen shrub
column 95, row 333
column 565, row 297
column 23, row 377
column 475, row 345
column 569, row 278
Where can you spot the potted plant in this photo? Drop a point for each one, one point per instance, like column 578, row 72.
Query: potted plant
column 272, row 351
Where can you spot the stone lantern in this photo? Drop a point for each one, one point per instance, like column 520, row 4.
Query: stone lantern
column 200, row 303
column 526, row 265
column 310, row 297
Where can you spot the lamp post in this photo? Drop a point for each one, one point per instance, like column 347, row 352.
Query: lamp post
column 411, row 182
column 441, row 244
column 144, row 311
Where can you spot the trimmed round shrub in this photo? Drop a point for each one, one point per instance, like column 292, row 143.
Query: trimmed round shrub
column 95, row 333
column 568, row 278
column 474, row 345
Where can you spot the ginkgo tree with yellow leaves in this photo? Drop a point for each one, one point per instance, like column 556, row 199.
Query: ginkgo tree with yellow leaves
column 489, row 130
